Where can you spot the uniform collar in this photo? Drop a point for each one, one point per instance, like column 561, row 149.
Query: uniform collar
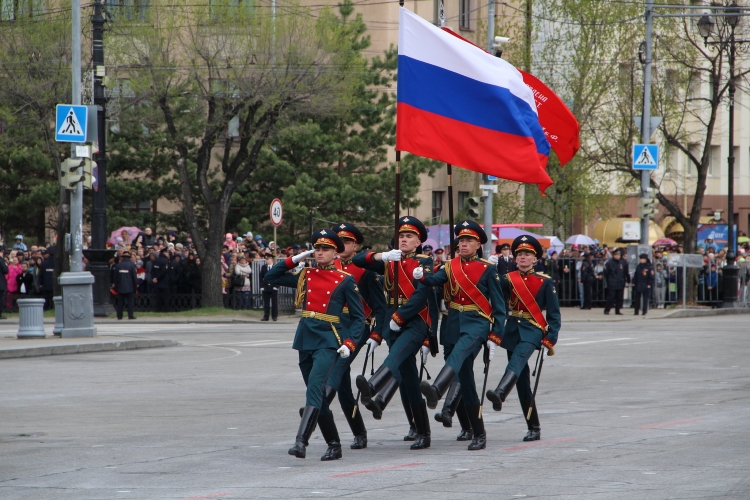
column 526, row 273
column 330, row 267
column 345, row 261
column 469, row 259
column 409, row 255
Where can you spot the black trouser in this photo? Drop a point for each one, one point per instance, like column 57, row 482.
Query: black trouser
column 271, row 304
column 614, row 298
column 162, row 299
column 122, row 299
column 48, row 303
column 2, row 301
column 588, row 292
column 641, row 297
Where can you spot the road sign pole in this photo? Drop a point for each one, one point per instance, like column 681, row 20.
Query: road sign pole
column 645, row 117
column 78, row 300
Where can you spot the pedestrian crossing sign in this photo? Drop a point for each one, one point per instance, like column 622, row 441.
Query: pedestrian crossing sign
column 645, row 156
column 71, row 122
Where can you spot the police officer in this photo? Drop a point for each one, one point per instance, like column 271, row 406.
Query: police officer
column 160, row 280
column 125, row 284
column 617, row 274
column 270, row 292
column 476, row 317
column 322, row 293
column 409, row 327
column 526, row 329
column 47, row 271
column 373, row 302
column 643, row 283
column 505, row 262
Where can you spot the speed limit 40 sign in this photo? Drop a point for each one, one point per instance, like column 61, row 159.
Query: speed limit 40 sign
column 277, row 212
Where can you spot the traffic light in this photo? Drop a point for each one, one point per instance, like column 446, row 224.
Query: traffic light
column 647, row 207
column 72, row 176
column 472, row 207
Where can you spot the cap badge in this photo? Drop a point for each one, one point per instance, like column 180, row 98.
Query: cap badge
column 323, row 232
column 524, row 238
column 342, row 226
column 405, row 219
column 465, row 223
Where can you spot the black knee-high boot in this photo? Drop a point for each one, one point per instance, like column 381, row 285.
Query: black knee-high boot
column 422, row 424
column 306, row 428
column 381, row 400
column 479, row 442
column 331, row 435
column 532, row 423
column 502, row 390
column 357, row 425
column 433, row 392
column 412, row 434
column 467, row 433
column 368, row 388
column 452, row 398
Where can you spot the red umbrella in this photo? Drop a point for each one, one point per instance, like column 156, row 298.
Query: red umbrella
column 665, row 242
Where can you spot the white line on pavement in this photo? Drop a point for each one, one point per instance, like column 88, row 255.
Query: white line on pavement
column 596, row 341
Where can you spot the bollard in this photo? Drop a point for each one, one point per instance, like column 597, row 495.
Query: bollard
column 57, row 329
column 31, row 318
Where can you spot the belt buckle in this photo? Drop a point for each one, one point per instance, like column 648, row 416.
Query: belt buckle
column 461, row 308
column 312, row 314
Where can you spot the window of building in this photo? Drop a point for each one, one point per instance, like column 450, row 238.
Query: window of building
column 737, row 164
column 128, row 10
column 437, row 204
column 465, row 16
column 714, row 162
column 11, row 10
column 462, row 197
column 230, row 8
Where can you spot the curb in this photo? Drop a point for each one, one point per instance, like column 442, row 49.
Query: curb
column 53, row 350
column 693, row 313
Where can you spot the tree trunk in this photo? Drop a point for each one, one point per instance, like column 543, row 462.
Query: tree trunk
column 688, row 247
column 62, row 257
column 211, row 267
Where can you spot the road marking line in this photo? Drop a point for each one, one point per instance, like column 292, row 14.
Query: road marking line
column 596, row 341
column 367, row 471
column 670, row 424
column 212, row 495
column 542, row 443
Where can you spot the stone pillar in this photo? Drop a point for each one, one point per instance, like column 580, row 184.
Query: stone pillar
column 57, row 329
column 78, row 306
column 31, row 319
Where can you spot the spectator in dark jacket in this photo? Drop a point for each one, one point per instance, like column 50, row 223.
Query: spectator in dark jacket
column 588, row 278
column 47, row 276
column 125, row 284
column 617, row 274
column 643, row 284
column 270, row 293
column 25, row 281
column 3, row 282
column 160, row 280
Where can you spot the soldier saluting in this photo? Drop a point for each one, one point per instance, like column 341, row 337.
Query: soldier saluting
column 373, row 302
column 408, row 330
column 476, row 316
column 526, row 329
column 322, row 293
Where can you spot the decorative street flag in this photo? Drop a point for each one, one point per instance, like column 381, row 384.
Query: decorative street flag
column 460, row 105
column 560, row 125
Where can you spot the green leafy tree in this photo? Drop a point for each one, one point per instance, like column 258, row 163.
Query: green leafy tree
column 205, row 68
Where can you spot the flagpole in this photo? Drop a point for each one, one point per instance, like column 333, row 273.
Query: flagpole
column 397, row 211
column 450, row 206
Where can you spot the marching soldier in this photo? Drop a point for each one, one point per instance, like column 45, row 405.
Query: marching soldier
column 526, row 329
column 476, row 317
column 322, row 293
column 408, row 330
column 373, row 302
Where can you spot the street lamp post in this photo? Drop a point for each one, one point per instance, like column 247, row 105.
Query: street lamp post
column 730, row 272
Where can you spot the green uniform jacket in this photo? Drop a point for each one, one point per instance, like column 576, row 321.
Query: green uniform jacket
column 521, row 329
column 371, row 290
column 472, row 322
column 422, row 295
column 313, row 334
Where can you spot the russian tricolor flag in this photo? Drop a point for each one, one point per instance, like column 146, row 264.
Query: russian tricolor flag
column 460, row 105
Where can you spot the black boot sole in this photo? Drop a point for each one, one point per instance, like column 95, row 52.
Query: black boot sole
column 429, row 394
column 447, row 421
column 375, row 408
column 333, row 453
column 297, row 452
column 497, row 403
column 365, row 391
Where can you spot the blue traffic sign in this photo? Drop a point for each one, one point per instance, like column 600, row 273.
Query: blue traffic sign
column 645, row 156
column 70, row 123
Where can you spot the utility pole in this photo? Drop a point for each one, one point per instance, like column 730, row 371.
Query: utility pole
column 646, row 118
column 78, row 317
column 98, row 255
column 488, row 194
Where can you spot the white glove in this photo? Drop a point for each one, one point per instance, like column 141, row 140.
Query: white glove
column 395, row 327
column 425, row 352
column 418, row 273
column 372, row 344
column 494, row 259
column 491, row 346
column 344, row 351
column 302, row 256
column 393, row 255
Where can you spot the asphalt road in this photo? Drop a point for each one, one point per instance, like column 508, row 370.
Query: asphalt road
column 642, row 409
